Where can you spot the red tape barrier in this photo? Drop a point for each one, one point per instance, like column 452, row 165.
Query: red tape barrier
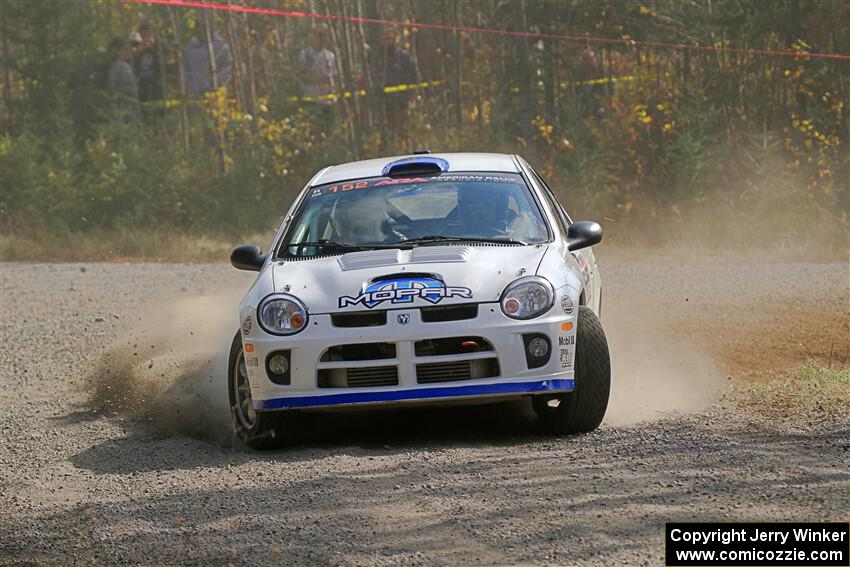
column 471, row 29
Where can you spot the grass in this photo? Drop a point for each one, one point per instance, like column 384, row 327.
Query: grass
column 811, row 393
column 121, row 246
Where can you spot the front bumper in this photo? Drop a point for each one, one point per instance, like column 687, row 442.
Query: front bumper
column 504, row 334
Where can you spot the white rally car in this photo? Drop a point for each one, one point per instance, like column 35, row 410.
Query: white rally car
column 427, row 279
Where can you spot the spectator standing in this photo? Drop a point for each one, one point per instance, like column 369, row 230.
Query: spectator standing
column 397, row 69
column 318, row 74
column 207, row 67
column 590, row 94
column 121, row 82
column 148, row 68
column 196, row 62
column 317, row 67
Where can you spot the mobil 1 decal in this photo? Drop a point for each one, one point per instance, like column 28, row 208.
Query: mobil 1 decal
column 566, row 344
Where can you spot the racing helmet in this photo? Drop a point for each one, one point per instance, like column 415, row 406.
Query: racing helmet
column 361, row 218
column 483, row 207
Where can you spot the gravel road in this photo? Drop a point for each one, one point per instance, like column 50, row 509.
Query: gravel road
column 115, row 447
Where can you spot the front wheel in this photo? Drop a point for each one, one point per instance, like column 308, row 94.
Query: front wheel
column 257, row 429
column 582, row 409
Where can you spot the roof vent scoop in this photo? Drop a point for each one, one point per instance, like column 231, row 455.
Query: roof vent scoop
column 417, row 165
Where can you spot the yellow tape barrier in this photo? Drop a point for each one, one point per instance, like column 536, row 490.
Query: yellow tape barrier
column 171, row 103
column 602, row 81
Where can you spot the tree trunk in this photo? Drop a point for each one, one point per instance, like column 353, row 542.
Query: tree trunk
column 7, row 75
column 479, row 103
column 251, row 94
column 457, row 74
column 208, row 37
column 343, row 86
column 526, row 95
column 184, row 112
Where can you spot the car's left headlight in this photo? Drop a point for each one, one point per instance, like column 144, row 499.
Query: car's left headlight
column 282, row 314
column 527, row 297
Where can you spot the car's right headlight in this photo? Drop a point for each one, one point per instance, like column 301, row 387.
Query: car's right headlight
column 527, row 298
column 282, row 314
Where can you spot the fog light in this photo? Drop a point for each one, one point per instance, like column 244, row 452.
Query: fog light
column 538, row 347
column 278, row 364
column 278, row 367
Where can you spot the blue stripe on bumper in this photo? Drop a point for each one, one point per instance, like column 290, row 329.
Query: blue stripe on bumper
column 536, row 386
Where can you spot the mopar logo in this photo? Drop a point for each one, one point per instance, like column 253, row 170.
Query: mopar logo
column 404, row 290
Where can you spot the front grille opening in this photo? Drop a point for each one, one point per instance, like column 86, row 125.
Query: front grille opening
column 372, row 376
column 449, row 313
column 452, row 345
column 359, row 319
column 457, row 370
column 363, row 351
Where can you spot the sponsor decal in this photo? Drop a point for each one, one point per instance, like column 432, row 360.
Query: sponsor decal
column 567, row 305
column 247, row 324
column 357, row 185
column 404, row 290
column 403, row 319
column 252, row 361
column 567, row 358
column 567, row 344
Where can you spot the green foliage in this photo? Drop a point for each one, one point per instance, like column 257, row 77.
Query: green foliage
column 815, row 391
column 675, row 129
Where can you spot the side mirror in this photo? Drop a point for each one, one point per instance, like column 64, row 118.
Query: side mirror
column 583, row 234
column 247, row 257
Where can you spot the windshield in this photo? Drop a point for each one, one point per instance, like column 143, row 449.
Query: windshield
column 383, row 212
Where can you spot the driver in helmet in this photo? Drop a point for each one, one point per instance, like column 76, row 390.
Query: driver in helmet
column 361, row 218
column 484, row 211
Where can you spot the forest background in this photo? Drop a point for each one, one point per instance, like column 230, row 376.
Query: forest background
column 717, row 148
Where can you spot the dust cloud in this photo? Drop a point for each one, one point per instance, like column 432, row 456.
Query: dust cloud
column 654, row 373
column 171, row 370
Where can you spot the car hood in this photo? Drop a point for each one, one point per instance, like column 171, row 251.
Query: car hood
column 421, row 277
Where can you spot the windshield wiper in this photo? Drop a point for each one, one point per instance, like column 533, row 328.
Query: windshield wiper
column 441, row 238
column 325, row 243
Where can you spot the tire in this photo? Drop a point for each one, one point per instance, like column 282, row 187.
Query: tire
column 582, row 409
column 257, row 429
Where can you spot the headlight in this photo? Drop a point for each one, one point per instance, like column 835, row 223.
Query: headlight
column 527, row 298
column 282, row 314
